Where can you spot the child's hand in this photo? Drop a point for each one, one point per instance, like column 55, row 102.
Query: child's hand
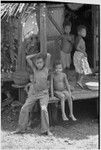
column 26, row 90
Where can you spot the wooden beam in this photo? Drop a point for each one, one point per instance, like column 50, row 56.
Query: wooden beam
column 43, row 38
column 54, row 23
column 52, row 38
column 55, row 6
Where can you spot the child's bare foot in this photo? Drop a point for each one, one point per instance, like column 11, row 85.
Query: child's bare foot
column 18, row 131
column 73, row 118
column 65, row 118
column 48, row 133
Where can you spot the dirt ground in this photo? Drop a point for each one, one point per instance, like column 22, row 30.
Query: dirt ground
column 82, row 134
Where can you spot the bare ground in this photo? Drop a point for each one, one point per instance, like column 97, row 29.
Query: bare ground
column 82, row 134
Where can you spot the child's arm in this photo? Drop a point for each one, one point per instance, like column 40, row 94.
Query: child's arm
column 30, row 61
column 27, row 87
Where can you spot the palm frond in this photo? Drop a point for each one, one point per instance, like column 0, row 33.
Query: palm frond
column 12, row 9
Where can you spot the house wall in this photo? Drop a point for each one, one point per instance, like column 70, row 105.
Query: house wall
column 52, row 46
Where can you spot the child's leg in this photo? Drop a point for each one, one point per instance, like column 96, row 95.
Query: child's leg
column 76, row 76
column 63, row 59
column 68, row 60
column 44, row 114
column 63, row 109
column 80, row 79
column 24, row 114
column 70, row 105
column 61, row 96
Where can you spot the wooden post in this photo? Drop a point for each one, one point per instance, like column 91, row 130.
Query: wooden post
column 43, row 38
column 20, row 48
column 95, row 21
column 21, row 74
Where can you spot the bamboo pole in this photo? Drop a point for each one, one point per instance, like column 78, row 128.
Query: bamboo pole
column 43, row 38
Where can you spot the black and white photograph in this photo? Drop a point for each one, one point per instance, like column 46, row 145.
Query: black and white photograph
column 50, row 75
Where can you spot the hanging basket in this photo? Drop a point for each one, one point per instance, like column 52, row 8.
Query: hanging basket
column 21, row 77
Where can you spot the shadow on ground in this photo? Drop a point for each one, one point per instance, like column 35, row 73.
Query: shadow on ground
column 85, row 126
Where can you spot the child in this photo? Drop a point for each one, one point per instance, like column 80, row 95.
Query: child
column 80, row 56
column 62, row 89
column 40, row 69
column 67, row 45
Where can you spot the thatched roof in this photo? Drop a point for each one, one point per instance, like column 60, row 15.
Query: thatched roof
column 14, row 9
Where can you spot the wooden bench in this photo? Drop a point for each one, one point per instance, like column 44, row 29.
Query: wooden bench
column 77, row 94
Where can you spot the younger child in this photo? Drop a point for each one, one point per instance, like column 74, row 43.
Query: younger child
column 67, row 45
column 80, row 56
column 62, row 90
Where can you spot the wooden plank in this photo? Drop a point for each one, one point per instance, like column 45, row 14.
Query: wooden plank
column 54, row 23
column 57, row 6
column 52, row 38
column 84, row 94
column 79, row 95
column 43, row 38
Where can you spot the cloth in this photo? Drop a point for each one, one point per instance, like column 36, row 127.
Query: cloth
column 85, row 66
column 81, row 63
column 27, row 107
column 66, row 59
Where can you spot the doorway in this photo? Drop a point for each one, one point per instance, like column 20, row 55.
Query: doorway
column 82, row 16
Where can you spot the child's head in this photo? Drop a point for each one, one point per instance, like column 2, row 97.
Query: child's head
column 40, row 61
column 58, row 66
column 67, row 27
column 31, row 77
column 82, row 30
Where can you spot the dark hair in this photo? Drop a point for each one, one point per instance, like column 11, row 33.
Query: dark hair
column 67, row 23
column 41, row 56
column 56, row 63
column 80, row 27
